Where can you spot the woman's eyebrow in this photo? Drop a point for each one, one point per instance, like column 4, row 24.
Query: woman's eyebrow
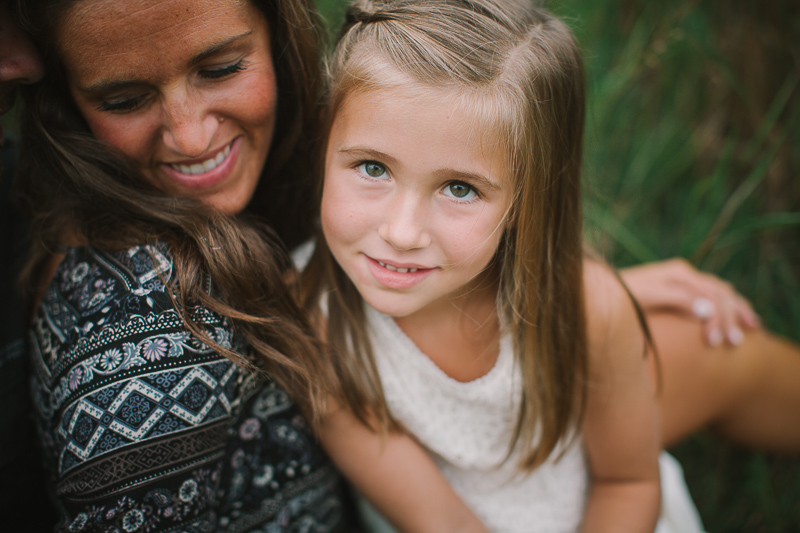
column 216, row 48
column 105, row 86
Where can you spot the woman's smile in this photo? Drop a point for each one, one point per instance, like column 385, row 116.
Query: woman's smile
column 202, row 167
column 205, row 174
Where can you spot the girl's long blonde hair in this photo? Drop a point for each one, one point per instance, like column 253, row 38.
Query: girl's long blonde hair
column 523, row 69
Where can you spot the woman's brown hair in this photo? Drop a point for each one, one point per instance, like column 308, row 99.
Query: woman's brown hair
column 521, row 71
column 77, row 185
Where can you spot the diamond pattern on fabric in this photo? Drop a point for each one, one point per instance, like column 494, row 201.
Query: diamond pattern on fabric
column 147, row 428
column 138, row 410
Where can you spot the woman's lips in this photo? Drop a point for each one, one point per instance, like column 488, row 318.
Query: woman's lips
column 206, row 173
column 397, row 276
column 206, row 166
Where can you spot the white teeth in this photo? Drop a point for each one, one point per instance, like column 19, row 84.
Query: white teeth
column 397, row 269
column 206, row 166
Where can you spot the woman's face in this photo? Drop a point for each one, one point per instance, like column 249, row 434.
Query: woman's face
column 186, row 88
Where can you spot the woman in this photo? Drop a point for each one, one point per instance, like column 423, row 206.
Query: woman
column 152, row 259
column 166, row 345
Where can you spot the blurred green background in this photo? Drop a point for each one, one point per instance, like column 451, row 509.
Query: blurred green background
column 693, row 150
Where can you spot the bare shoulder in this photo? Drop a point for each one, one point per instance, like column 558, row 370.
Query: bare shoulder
column 614, row 334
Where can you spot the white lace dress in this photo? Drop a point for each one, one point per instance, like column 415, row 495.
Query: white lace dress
column 466, row 427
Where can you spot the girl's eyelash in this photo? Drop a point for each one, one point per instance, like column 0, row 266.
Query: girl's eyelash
column 224, row 71
column 125, row 105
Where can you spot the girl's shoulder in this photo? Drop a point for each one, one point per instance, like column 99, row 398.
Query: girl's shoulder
column 614, row 330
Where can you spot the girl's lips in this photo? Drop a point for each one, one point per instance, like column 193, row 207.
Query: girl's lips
column 206, row 173
column 395, row 276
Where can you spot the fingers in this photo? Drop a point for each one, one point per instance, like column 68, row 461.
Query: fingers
column 703, row 308
column 676, row 286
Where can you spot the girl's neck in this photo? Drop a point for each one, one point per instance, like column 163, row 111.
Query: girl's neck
column 462, row 337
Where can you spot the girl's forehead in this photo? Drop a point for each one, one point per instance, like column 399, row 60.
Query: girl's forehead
column 479, row 109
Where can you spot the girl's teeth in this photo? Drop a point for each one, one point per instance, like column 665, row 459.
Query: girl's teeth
column 401, row 270
column 205, row 166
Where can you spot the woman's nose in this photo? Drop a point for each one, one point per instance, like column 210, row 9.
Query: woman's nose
column 189, row 128
column 403, row 226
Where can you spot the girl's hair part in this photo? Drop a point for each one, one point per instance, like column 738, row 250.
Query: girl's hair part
column 520, row 69
column 77, row 187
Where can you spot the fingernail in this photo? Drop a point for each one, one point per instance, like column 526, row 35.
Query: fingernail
column 715, row 337
column 702, row 307
column 735, row 336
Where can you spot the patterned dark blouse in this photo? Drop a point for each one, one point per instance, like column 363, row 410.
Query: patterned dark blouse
column 145, row 428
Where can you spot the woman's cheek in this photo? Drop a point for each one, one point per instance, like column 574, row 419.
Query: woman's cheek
column 128, row 135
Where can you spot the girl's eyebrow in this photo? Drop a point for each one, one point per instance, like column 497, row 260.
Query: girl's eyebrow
column 477, row 179
column 368, row 153
column 115, row 85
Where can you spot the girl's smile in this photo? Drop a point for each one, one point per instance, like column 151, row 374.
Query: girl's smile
column 397, row 276
column 414, row 201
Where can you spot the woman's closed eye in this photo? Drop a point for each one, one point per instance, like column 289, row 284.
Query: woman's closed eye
column 460, row 191
column 223, row 72
column 123, row 105
column 373, row 169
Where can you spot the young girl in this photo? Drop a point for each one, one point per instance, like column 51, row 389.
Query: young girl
column 461, row 306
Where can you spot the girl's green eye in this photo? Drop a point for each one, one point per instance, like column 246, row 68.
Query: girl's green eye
column 372, row 169
column 460, row 191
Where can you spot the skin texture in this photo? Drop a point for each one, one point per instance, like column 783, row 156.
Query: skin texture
column 393, row 163
column 747, row 393
column 169, row 93
column 19, row 59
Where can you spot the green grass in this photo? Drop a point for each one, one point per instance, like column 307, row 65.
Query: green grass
column 689, row 155
column 692, row 150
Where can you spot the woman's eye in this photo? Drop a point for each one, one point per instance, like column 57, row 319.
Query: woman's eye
column 460, row 191
column 121, row 106
column 372, row 169
column 215, row 74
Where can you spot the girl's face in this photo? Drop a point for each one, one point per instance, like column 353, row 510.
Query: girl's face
column 414, row 198
column 186, row 88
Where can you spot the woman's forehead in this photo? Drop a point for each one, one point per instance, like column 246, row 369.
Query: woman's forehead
column 139, row 35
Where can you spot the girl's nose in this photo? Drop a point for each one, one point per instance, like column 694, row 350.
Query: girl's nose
column 189, row 129
column 403, row 226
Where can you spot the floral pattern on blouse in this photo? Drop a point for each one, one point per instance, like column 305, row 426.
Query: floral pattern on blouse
column 146, row 428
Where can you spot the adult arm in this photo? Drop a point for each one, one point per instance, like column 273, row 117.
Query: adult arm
column 133, row 410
